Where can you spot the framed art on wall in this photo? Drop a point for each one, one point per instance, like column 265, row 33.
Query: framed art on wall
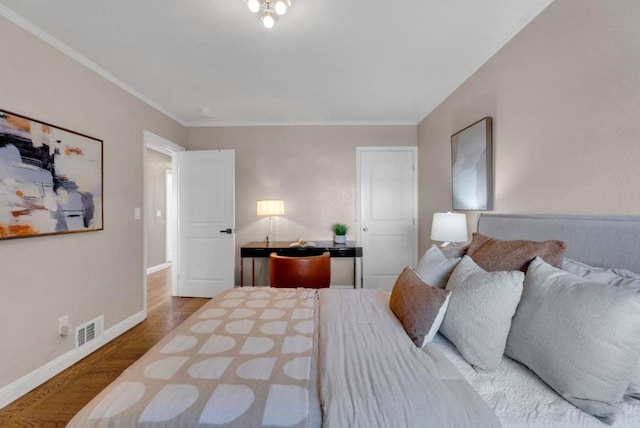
column 471, row 167
column 50, row 179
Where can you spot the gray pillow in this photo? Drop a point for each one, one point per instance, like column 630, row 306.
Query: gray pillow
column 480, row 310
column 610, row 276
column 581, row 338
column 434, row 267
column 419, row 307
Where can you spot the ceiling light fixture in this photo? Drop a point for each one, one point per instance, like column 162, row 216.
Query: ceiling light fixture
column 268, row 10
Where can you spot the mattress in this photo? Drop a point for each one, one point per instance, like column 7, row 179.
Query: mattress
column 519, row 398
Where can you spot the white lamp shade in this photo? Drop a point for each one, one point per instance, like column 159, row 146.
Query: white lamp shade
column 270, row 207
column 449, row 227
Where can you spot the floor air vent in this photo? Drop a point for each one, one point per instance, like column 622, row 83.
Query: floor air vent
column 88, row 332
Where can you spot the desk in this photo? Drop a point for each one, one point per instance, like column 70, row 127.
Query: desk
column 262, row 250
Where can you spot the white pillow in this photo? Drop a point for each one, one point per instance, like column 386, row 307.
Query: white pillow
column 434, row 267
column 609, row 276
column 580, row 337
column 480, row 309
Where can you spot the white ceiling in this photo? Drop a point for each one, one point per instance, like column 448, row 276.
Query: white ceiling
column 325, row 61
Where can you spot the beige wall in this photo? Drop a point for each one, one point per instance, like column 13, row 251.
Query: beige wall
column 88, row 274
column 564, row 95
column 156, row 200
column 311, row 168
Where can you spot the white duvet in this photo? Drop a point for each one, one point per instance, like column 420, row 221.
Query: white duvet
column 521, row 399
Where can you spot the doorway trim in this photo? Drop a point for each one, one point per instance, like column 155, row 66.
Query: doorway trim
column 164, row 146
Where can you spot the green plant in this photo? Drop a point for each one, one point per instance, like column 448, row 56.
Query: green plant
column 340, row 229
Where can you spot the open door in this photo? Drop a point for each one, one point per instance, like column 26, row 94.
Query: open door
column 206, row 222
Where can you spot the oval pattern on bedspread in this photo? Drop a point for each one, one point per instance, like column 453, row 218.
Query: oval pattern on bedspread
column 119, row 399
column 272, row 314
column 257, row 345
column 288, row 303
column 217, row 344
column 296, row 344
column 301, row 314
column 239, row 327
column 179, row 343
column 242, row 313
column 227, row 403
column 274, row 327
column 165, row 368
column 258, row 369
column 304, row 327
column 235, row 294
column 211, row 368
column 230, row 303
column 170, row 402
column 257, row 303
column 260, row 295
column 206, row 326
column 286, row 405
column 298, row 368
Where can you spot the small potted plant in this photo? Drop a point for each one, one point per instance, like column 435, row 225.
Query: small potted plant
column 340, row 233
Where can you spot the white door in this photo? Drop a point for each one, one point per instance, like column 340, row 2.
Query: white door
column 206, row 222
column 387, row 194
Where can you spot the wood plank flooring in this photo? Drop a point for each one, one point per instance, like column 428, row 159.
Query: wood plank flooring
column 54, row 403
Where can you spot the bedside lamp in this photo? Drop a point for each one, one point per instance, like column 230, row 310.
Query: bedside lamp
column 449, row 227
column 270, row 208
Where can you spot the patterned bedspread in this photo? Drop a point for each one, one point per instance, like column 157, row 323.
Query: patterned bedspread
column 258, row 357
column 244, row 359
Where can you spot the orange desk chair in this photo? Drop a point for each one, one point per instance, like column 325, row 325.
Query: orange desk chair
column 305, row 271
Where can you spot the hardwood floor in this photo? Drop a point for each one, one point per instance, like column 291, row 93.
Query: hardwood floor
column 54, row 403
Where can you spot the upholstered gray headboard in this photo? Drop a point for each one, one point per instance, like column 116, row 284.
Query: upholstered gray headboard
column 596, row 240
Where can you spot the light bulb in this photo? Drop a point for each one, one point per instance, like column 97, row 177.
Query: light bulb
column 268, row 21
column 281, row 7
column 253, row 5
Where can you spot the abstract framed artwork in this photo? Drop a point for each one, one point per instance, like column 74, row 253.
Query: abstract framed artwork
column 471, row 167
column 50, row 179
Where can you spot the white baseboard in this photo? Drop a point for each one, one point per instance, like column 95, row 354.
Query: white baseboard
column 17, row 389
column 157, row 268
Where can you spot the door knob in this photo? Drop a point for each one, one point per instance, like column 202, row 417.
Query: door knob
column 227, row 231
column 365, row 229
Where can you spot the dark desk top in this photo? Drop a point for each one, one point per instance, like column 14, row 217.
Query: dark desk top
column 262, row 249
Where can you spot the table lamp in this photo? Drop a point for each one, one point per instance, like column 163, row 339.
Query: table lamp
column 449, row 227
column 270, row 208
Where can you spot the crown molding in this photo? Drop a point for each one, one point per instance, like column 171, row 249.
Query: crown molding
column 212, row 124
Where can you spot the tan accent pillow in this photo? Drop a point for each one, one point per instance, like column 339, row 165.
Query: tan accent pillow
column 419, row 307
column 495, row 255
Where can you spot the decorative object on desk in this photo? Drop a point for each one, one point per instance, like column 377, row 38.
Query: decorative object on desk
column 471, row 167
column 340, row 233
column 50, row 179
column 269, row 208
column 302, row 243
column 449, row 227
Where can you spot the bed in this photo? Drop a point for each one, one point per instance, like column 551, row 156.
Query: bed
column 335, row 358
